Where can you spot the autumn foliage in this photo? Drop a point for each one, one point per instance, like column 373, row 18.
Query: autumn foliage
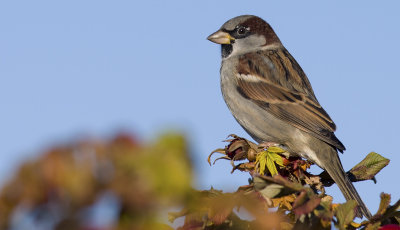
column 123, row 184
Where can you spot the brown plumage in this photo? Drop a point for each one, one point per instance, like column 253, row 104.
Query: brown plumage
column 295, row 102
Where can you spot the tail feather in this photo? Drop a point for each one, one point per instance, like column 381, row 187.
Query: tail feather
column 336, row 171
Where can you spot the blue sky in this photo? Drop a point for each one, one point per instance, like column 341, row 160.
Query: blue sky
column 77, row 69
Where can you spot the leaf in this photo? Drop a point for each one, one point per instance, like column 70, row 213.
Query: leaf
column 275, row 149
column 276, row 158
column 262, row 161
column 384, row 204
column 166, row 167
column 274, row 187
column 284, row 202
column 268, row 189
column 324, row 211
column 220, row 207
column 391, row 211
column 304, row 204
column 271, row 166
column 345, row 213
column 268, row 159
column 369, row 167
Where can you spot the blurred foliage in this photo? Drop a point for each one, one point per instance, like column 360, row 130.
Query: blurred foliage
column 67, row 186
column 69, row 179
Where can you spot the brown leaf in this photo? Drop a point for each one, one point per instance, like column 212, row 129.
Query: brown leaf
column 304, row 204
column 384, row 204
column 220, row 207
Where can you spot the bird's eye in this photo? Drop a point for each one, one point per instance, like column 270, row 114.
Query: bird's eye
column 241, row 30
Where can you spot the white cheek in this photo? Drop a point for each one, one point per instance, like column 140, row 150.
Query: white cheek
column 256, row 41
column 248, row 44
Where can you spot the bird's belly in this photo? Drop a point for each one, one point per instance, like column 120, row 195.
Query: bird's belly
column 264, row 127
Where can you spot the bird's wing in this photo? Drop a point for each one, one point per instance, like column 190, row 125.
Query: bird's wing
column 275, row 81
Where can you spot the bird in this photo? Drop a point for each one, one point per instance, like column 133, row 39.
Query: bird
column 270, row 96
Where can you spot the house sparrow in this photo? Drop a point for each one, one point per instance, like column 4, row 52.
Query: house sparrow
column 272, row 99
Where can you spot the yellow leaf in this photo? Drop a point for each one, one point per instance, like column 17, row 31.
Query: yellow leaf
column 284, row 202
column 276, row 158
column 261, row 159
column 274, row 149
column 269, row 159
column 271, row 166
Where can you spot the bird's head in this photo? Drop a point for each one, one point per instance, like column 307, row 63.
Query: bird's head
column 243, row 34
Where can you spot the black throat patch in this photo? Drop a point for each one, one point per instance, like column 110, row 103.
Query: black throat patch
column 226, row 50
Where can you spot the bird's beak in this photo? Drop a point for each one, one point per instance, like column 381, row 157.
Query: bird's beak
column 221, row 37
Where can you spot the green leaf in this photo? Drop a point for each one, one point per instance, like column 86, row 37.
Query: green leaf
column 273, row 187
column 276, row 158
column 274, row 149
column 269, row 159
column 271, row 165
column 345, row 213
column 261, row 160
column 369, row 167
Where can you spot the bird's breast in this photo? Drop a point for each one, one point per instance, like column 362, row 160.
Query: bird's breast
column 258, row 123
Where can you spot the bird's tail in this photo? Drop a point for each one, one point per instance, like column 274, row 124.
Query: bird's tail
column 345, row 185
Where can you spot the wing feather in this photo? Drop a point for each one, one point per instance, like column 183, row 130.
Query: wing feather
column 274, row 80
